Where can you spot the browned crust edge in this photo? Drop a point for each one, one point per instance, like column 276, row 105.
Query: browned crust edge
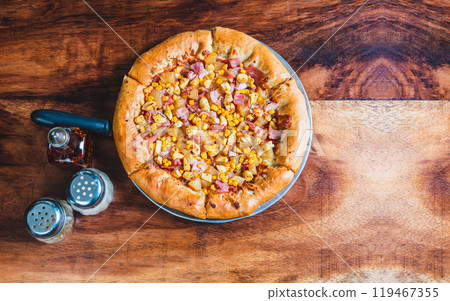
column 250, row 51
column 163, row 188
column 220, row 206
column 165, row 55
column 294, row 139
column 129, row 145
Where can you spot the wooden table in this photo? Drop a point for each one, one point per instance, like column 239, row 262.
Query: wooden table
column 371, row 205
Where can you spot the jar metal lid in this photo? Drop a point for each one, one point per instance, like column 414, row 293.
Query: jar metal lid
column 58, row 137
column 45, row 218
column 85, row 189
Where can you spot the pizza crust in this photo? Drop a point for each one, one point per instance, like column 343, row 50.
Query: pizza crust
column 164, row 55
column 233, row 44
column 294, row 140
column 129, row 143
column 222, row 205
column 163, row 188
column 244, row 203
column 251, row 52
column 277, row 178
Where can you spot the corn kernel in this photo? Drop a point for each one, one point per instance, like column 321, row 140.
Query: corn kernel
column 191, row 102
column 224, row 66
column 205, row 126
column 174, row 138
column 227, row 132
column 247, row 175
column 219, row 81
column 268, row 118
column 139, row 119
column 148, row 89
column 272, row 111
column 241, row 65
column 194, row 82
column 242, row 71
column 158, row 88
column 203, row 155
column 214, row 107
column 191, row 116
column 175, row 97
column 171, row 107
column 165, row 98
column 212, row 75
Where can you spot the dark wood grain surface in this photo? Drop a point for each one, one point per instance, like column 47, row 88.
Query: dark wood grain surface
column 375, row 189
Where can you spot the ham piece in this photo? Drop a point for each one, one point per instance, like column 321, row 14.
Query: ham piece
column 197, row 67
column 274, row 134
column 222, row 187
column 156, row 137
column 234, row 63
column 217, row 127
column 239, row 99
column 188, row 73
column 255, row 73
column 271, row 106
column 169, row 102
column 183, row 113
column 216, row 97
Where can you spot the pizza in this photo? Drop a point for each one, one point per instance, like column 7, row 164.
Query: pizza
column 210, row 123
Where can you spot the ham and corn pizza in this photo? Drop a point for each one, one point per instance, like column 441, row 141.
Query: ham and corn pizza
column 210, row 123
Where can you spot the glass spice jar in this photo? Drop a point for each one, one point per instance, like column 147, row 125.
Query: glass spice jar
column 89, row 191
column 70, row 147
column 49, row 220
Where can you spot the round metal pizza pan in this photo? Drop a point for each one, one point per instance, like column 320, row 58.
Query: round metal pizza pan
column 273, row 200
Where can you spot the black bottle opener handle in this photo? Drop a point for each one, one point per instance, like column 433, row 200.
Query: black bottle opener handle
column 53, row 118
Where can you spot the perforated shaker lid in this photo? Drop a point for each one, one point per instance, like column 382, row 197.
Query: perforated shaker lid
column 85, row 189
column 45, row 218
